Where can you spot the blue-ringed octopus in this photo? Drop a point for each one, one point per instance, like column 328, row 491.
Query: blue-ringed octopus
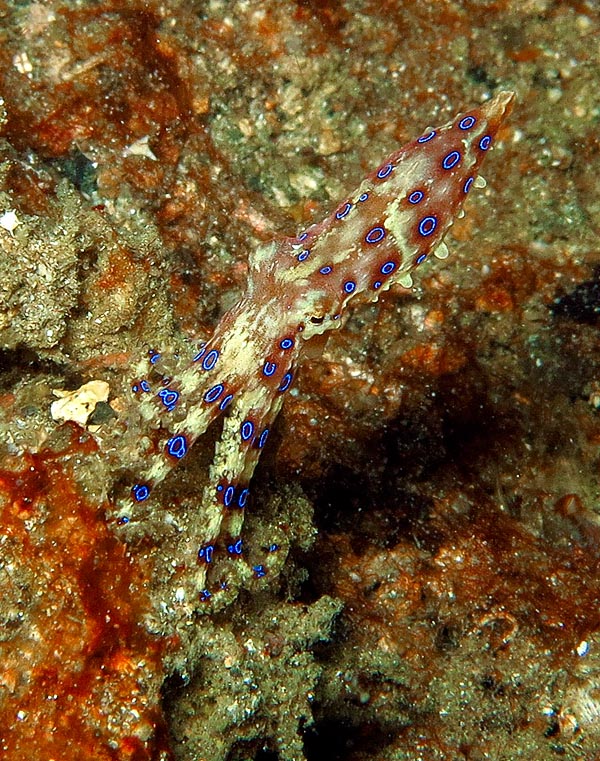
column 299, row 287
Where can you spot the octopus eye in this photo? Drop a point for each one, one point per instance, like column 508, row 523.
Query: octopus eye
column 317, row 320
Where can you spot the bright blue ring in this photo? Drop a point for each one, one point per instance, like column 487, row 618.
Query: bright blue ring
column 263, row 438
column 467, row 122
column 246, row 430
column 485, row 141
column 168, row 397
column 415, row 197
column 140, row 492
column 343, row 212
column 236, row 548
column 269, row 368
column 228, row 496
column 210, row 360
column 145, row 386
column 285, row 382
column 259, row 571
column 388, row 268
column 385, row 171
column 427, row 225
column 214, row 393
column 421, row 258
column 225, row 401
column 206, row 553
column 350, row 286
column 451, row 160
column 376, row 285
column 243, row 498
column 325, row 270
column 199, row 355
column 375, row 235
column 177, row 446
column 426, row 138
column 303, row 255
column 363, row 197
column 468, row 184
column 286, row 343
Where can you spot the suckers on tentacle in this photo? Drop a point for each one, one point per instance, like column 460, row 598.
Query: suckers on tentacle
column 297, row 288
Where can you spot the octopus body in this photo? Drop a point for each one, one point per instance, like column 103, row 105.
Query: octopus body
column 300, row 287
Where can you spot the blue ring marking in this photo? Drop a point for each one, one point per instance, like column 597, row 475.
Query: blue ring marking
column 421, row 259
column 303, row 255
column 325, row 270
column 235, row 548
column 205, row 553
column 210, row 360
column 140, row 492
column 349, row 286
column 228, row 496
column 269, row 368
column 154, row 356
column 199, row 355
column 135, row 388
column 468, row 184
column 177, row 446
column 375, row 235
column 485, row 142
column 169, row 397
column 467, row 122
column 205, row 595
column 377, row 284
column 302, row 237
column 416, row 196
column 273, row 547
column 426, row 138
column 385, row 171
column 226, row 401
column 246, row 430
column 145, row 386
column 243, row 498
column 451, row 160
column 344, row 211
column 214, row 393
column 259, row 571
column 363, row 197
column 285, row 382
column 263, row 438
column 388, row 268
column 286, row 343
column 427, row 225
column 220, row 487
column 123, row 520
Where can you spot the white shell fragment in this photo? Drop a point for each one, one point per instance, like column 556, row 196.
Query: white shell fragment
column 78, row 405
column 9, row 221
